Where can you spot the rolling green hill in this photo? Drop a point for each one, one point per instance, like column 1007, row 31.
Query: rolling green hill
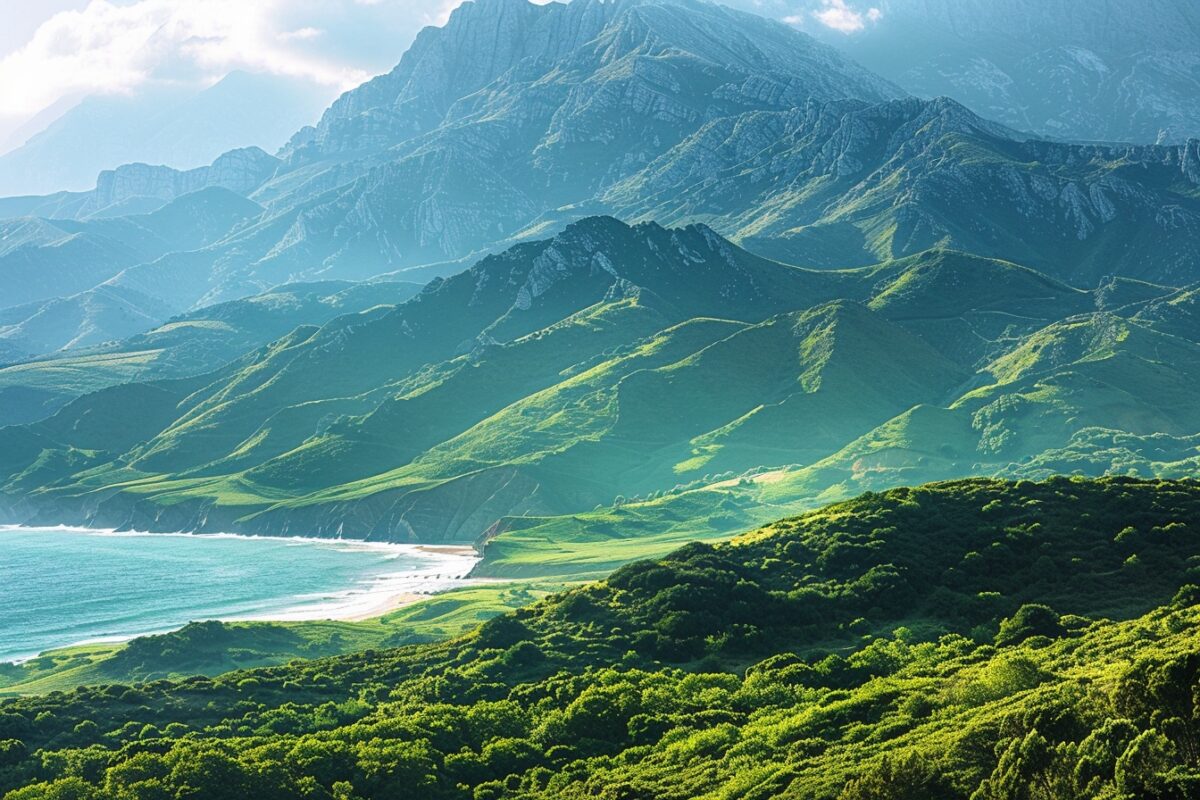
column 189, row 344
column 393, row 385
column 1092, row 395
column 608, row 366
column 962, row 640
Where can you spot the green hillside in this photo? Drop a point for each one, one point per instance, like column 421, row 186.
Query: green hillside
column 399, row 393
column 609, row 366
column 963, row 640
column 189, row 344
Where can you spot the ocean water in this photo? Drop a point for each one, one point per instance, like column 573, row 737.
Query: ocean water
column 60, row 587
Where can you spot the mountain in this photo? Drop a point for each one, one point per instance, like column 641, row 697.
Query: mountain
column 580, row 61
column 969, row 639
column 393, row 385
column 43, row 259
column 546, row 381
column 179, row 127
column 137, row 188
column 451, row 154
column 827, row 183
column 49, row 269
column 431, row 163
column 676, row 111
column 186, row 345
column 1115, row 71
column 845, row 183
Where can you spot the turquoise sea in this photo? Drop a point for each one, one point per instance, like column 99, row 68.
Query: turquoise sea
column 60, row 587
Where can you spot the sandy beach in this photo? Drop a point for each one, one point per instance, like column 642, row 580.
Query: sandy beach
column 385, row 605
column 232, row 578
column 442, row 567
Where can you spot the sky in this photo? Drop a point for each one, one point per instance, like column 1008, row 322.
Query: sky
column 55, row 52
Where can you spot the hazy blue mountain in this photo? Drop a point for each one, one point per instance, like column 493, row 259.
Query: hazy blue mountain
column 177, row 127
column 189, row 344
column 569, row 99
column 138, row 188
column 452, row 152
column 1111, row 70
column 677, row 110
column 848, row 183
column 649, row 113
column 44, row 259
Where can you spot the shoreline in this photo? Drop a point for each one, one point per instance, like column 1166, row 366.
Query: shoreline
column 440, row 568
column 370, row 543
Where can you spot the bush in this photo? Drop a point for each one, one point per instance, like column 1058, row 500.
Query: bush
column 1031, row 619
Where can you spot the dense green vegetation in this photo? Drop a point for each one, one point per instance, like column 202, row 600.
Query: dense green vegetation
column 977, row 639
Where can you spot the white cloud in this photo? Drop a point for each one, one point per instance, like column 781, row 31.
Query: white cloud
column 122, row 46
column 301, row 34
column 839, row 16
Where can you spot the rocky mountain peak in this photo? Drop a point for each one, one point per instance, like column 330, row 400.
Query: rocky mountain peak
column 240, row 171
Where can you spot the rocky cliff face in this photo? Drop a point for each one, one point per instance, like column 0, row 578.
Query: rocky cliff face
column 845, row 182
column 500, row 47
column 240, row 171
column 514, row 109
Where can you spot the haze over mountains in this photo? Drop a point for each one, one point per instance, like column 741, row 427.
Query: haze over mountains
column 637, row 109
column 179, row 127
column 1113, row 70
column 902, row 286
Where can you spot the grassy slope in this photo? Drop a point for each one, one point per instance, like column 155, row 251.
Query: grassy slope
column 1095, row 394
column 189, row 344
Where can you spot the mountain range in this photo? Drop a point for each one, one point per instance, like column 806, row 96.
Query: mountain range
column 640, row 109
column 902, row 288
column 175, row 125
column 546, row 380
column 1108, row 71
column 424, row 165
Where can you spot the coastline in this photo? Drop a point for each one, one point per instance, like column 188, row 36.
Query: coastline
column 428, row 570
column 450, row 567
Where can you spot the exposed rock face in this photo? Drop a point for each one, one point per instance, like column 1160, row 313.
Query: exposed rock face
column 514, row 109
column 495, row 50
column 818, row 184
column 241, row 171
